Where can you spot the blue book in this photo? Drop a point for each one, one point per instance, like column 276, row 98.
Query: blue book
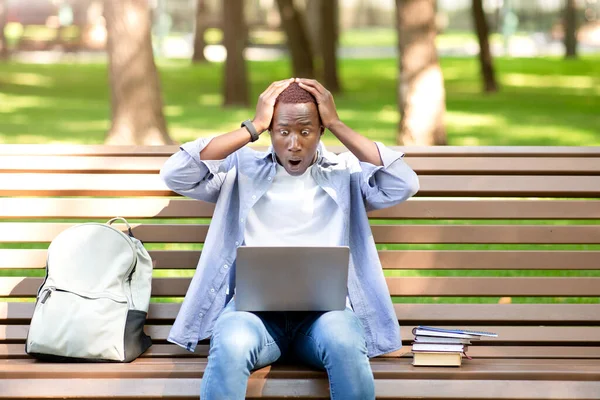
column 459, row 333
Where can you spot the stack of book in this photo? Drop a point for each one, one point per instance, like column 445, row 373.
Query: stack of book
column 442, row 347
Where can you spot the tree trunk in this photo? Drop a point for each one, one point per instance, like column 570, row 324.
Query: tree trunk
column 3, row 43
column 137, row 116
column 199, row 28
column 297, row 39
column 329, row 40
column 485, row 56
column 421, row 95
column 234, row 39
column 570, row 24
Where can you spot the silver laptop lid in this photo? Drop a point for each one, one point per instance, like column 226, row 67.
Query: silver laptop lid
column 291, row 278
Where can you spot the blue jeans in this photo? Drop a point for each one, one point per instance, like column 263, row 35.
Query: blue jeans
column 244, row 341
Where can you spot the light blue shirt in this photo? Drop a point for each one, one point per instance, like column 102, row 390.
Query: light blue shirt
column 236, row 183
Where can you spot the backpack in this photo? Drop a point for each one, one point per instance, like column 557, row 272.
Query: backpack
column 93, row 303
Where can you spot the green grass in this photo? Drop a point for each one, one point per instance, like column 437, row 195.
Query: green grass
column 545, row 101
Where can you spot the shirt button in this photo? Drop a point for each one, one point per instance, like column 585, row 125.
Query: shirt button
column 269, row 178
column 237, row 243
column 253, row 197
column 212, row 290
column 201, row 315
column 225, row 266
column 241, row 219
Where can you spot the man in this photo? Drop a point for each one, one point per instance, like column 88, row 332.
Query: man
column 296, row 193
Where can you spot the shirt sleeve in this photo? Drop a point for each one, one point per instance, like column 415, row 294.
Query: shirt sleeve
column 185, row 173
column 387, row 185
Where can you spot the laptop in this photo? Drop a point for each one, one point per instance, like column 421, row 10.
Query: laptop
column 291, row 278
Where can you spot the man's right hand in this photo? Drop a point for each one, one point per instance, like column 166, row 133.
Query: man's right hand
column 266, row 104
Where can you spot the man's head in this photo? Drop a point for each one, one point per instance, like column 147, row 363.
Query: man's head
column 296, row 129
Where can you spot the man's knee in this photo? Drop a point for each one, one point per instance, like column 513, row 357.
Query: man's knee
column 237, row 337
column 341, row 336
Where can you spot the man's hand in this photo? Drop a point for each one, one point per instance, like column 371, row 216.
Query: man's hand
column 325, row 102
column 266, row 104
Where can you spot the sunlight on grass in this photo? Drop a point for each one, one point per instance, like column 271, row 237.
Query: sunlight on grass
column 12, row 104
column 27, row 79
column 564, row 82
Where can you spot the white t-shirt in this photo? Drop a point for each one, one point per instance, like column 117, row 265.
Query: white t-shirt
column 295, row 211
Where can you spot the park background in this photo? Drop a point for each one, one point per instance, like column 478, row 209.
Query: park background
column 56, row 85
column 472, row 73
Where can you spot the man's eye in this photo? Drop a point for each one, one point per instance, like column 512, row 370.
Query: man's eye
column 284, row 133
column 305, row 133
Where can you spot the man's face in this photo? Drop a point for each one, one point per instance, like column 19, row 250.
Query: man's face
column 295, row 134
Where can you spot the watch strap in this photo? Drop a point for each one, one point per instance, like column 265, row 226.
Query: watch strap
column 251, row 129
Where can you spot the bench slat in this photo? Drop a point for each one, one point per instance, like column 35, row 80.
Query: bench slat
column 422, row 286
column 184, row 208
column 421, row 165
column 398, row 368
column 390, row 259
column 259, row 387
column 518, row 353
column 31, row 184
column 506, row 334
column 28, row 232
column 20, row 313
column 429, row 151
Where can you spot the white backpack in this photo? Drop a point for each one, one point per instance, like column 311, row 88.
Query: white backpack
column 93, row 304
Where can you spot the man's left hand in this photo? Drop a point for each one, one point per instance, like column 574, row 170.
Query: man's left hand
column 324, row 99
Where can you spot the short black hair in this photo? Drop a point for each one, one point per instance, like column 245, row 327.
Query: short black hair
column 294, row 94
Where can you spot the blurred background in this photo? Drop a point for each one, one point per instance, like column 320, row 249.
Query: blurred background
column 422, row 72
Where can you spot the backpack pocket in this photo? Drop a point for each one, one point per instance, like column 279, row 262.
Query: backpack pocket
column 77, row 325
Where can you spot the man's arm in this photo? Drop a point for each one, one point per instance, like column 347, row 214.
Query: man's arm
column 199, row 168
column 224, row 145
column 364, row 149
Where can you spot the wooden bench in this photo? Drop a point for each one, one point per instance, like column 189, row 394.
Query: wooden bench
column 481, row 211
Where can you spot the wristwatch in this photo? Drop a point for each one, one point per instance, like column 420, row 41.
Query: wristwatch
column 251, row 129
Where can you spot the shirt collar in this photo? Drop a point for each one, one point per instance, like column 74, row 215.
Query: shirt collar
column 324, row 158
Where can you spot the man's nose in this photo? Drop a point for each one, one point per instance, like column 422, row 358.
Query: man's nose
column 294, row 143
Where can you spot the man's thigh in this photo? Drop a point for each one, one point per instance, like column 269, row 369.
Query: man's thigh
column 240, row 333
column 333, row 334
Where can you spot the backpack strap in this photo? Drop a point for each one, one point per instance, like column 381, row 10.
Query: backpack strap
column 125, row 221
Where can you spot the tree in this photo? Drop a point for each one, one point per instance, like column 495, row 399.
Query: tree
column 200, row 25
column 485, row 55
column 137, row 116
column 322, row 29
column 234, row 39
column 570, row 24
column 3, row 42
column 421, row 95
column 329, row 42
column 297, row 39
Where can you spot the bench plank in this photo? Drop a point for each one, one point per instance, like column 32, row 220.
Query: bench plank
column 50, row 184
column 390, row 259
column 259, row 387
column 184, row 208
column 406, row 286
column 32, row 232
column 514, row 353
column 19, row 313
column 506, row 334
column 421, row 165
column 429, row 151
column 573, row 370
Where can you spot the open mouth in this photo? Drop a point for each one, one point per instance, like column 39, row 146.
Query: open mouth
column 295, row 163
